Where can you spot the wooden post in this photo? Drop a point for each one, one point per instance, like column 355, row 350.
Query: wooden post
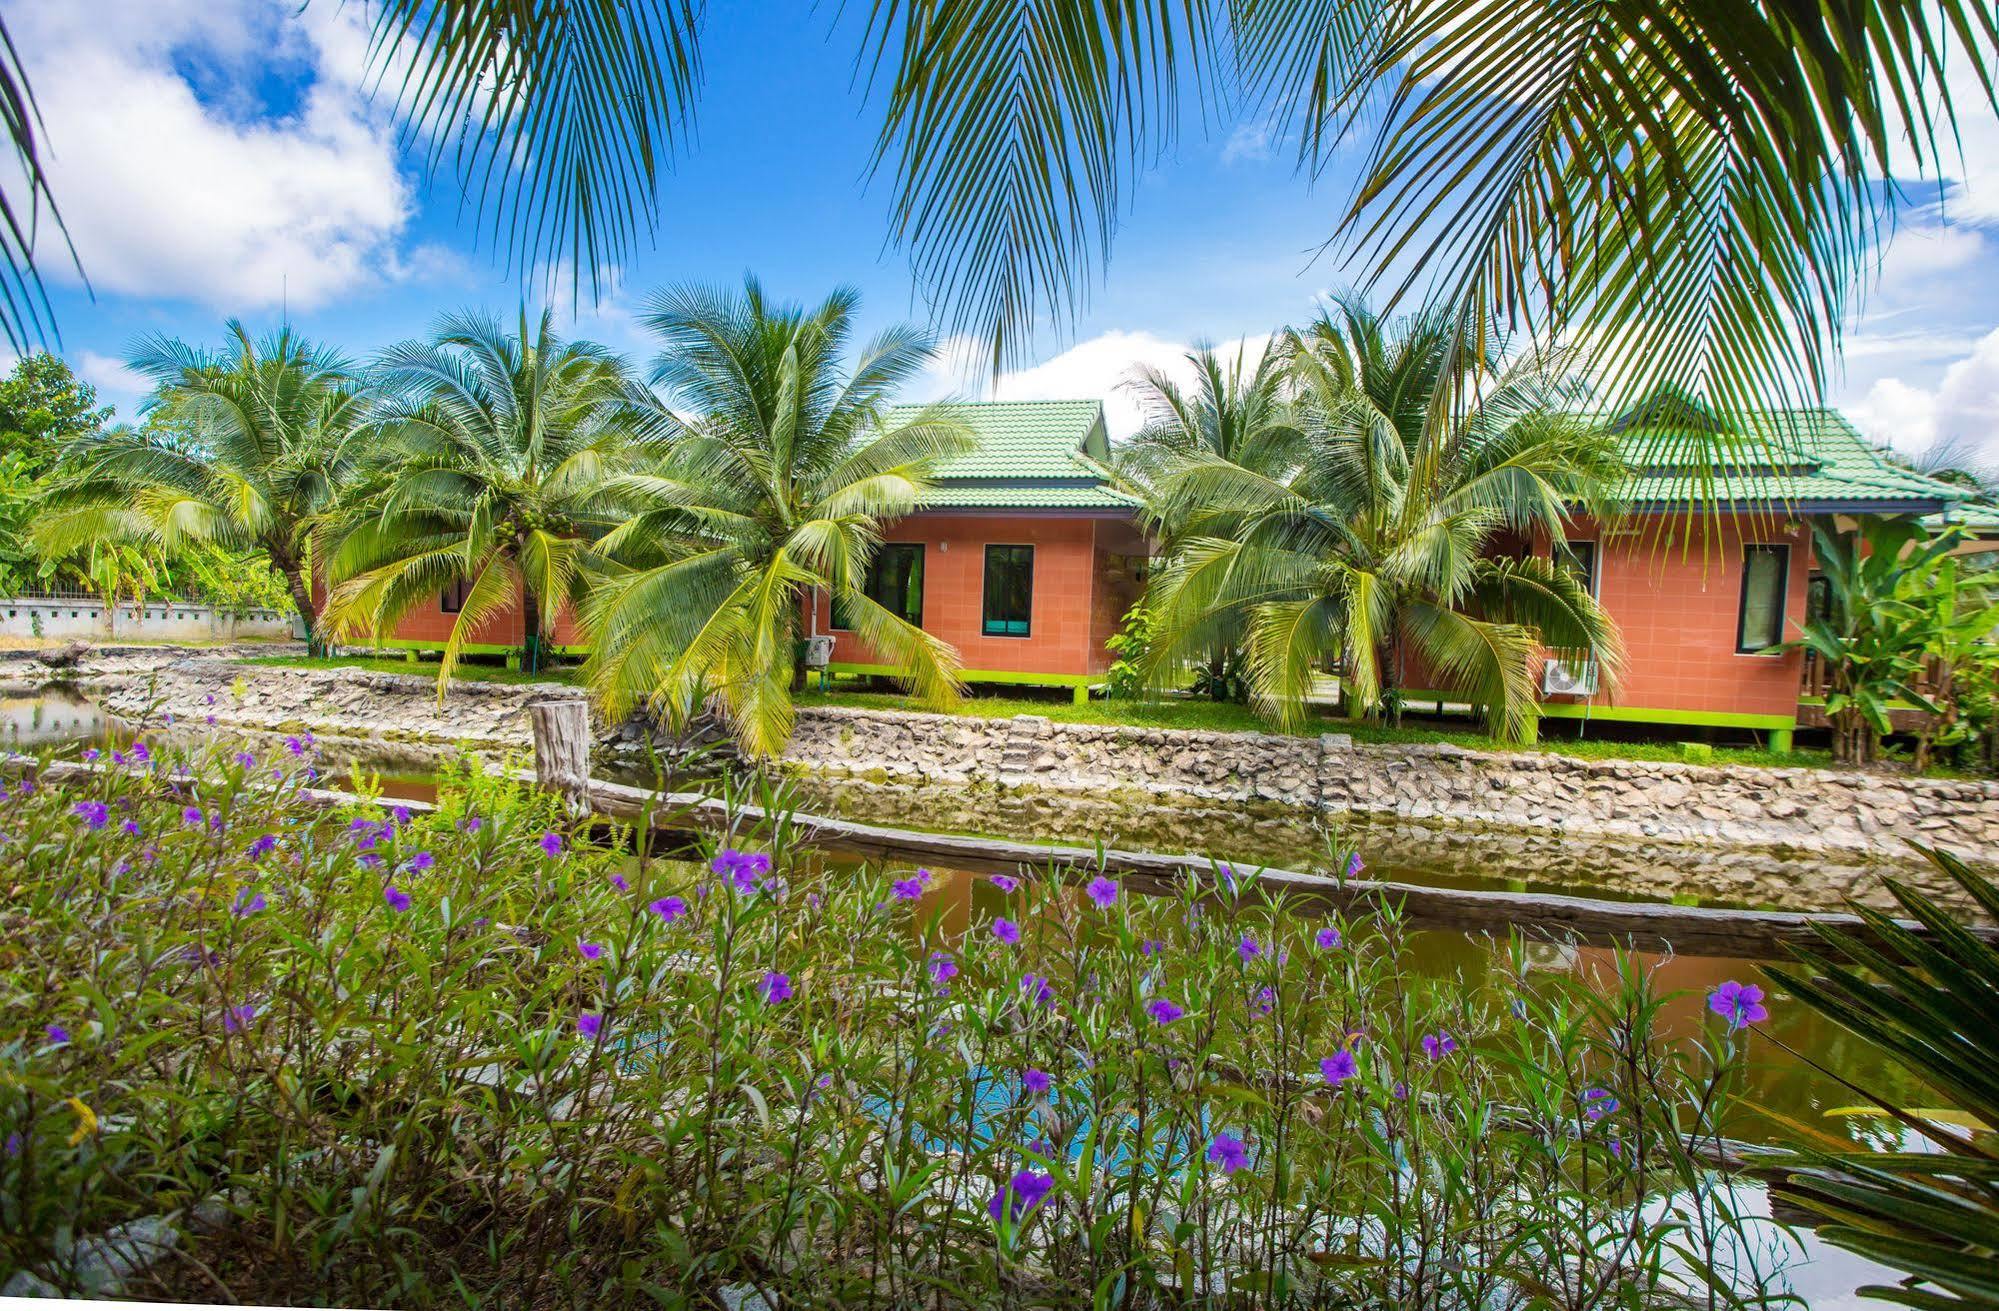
column 562, row 746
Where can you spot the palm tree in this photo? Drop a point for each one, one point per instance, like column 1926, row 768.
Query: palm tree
column 782, row 472
column 250, row 447
column 1238, row 413
column 1381, row 544
column 495, row 455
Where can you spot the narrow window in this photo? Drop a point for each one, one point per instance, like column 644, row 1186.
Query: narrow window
column 1582, row 559
column 894, row 582
column 1765, row 578
column 452, row 599
column 1009, row 590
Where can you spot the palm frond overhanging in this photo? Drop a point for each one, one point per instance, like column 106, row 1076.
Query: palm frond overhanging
column 1379, row 546
column 24, row 202
column 494, row 463
column 781, row 474
column 1693, row 187
column 1926, row 1001
column 559, row 116
column 254, row 444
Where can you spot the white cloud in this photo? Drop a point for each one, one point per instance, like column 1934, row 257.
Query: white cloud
column 1096, row 369
column 175, row 182
column 1962, row 409
column 1249, row 143
column 117, row 382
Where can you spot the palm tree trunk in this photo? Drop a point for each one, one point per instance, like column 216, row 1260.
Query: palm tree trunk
column 530, row 631
column 302, row 602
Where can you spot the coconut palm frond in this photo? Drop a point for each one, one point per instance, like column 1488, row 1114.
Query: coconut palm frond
column 559, row 119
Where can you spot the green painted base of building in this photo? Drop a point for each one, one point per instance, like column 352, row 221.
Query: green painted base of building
column 1781, row 728
column 1079, row 685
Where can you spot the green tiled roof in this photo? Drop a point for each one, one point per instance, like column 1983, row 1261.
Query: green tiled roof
column 1031, row 455
column 1803, row 459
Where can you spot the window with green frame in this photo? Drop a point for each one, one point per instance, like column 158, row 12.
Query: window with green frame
column 1009, row 601
column 894, row 582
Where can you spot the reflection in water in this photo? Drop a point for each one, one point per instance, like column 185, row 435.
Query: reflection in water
column 49, row 716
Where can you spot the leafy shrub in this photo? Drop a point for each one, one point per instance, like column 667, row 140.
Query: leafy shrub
column 445, row 1057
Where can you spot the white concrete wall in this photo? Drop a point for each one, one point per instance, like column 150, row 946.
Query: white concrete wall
column 60, row 618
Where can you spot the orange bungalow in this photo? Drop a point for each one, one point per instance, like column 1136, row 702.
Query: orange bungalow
column 1025, row 558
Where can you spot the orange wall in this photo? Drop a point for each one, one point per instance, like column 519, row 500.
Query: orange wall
column 1062, row 624
column 429, row 622
column 1678, row 604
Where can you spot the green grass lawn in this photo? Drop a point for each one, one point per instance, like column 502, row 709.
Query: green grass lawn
column 1234, row 718
column 469, row 670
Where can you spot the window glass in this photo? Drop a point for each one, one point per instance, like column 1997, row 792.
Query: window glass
column 894, row 582
column 1582, row 558
column 1009, row 602
column 1765, row 571
column 452, row 600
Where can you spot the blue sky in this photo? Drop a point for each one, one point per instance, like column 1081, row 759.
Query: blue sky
column 219, row 157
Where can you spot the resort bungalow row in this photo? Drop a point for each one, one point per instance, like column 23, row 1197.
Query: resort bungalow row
column 1026, row 556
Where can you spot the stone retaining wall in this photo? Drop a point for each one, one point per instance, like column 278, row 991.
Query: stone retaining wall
column 1804, row 809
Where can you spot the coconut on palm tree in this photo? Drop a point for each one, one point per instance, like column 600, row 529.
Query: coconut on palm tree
column 783, row 470
column 252, row 446
column 1395, row 541
column 493, row 458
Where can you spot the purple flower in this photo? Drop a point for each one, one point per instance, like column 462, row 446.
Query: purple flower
column 131, row 826
column 942, row 968
column 191, row 815
column 551, row 843
column 907, row 889
column 669, row 908
column 13, row 1145
column 1598, row 1102
column 421, row 861
column 1741, row 1004
column 1266, row 1001
column 1339, row 1067
column 1102, row 890
column 118, row 757
column 1249, row 948
column 141, row 753
column 1354, row 866
column 246, row 760
column 471, row 823
column 1163, row 1010
column 1438, row 1045
column 621, row 883
column 1005, row 882
column 262, row 847
column 57, row 1034
column 1151, row 947
column 238, row 1018
column 399, row 816
column 775, row 987
column 1229, row 1152
column 1020, row 1195
column 1036, row 1082
column 91, row 753
column 1037, row 989
column 95, row 814
column 398, row 899
column 295, row 746
column 589, row 1024
column 591, row 950
column 247, row 903
column 1006, row 931
column 741, row 868
column 1327, row 938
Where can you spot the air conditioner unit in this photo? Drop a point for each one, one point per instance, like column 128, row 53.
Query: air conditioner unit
column 818, row 652
column 1568, row 678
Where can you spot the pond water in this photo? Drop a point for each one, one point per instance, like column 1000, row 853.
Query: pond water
column 1783, row 1077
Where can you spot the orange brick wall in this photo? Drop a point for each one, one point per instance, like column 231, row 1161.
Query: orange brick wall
column 1063, row 624
column 429, row 622
column 1678, row 607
